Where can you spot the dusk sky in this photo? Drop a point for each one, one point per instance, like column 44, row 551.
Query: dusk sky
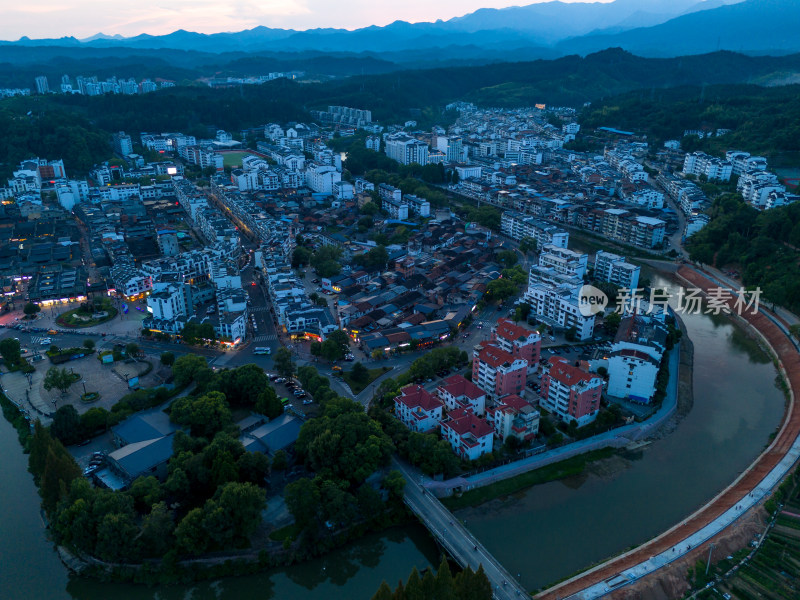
column 83, row 18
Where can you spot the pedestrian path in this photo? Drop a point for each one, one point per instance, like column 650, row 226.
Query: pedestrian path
column 36, row 340
column 265, row 338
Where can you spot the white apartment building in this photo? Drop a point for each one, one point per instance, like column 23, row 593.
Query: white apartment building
column 419, row 206
column 700, row 163
column 517, row 226
column 615, row 269
column 742, row 162
column 635, row 358
column 406, row 150
column 558, row 306
column 321, row 178
column 563, row 260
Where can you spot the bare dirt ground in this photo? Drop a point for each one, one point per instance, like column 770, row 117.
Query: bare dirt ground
column 790, row 366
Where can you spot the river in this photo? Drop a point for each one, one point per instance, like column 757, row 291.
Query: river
column 30, row 568
column 553, row 530
column 544, row 533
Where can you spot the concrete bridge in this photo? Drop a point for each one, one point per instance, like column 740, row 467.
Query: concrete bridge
column 456, row 539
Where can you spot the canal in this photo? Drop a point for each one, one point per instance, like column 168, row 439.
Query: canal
column 544, row 533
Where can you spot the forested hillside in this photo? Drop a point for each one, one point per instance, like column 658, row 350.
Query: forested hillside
column 764, row 246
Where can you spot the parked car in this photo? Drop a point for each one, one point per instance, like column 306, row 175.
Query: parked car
column 280, row 380
column 309, row 401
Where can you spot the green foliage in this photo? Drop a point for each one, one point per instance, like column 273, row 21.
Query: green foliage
column 205, row 415
column 167, row 359
column 10, row 351
column 52, row 466
column 301, row 256
column 268, row 403
column 527, row 245
column 193, row 333
column 611, row 322
column 326, row 261
column 60, row 379
column 432, row 455
column 191, row 368
column 31, row 309
column 373, row 260
column 508, row 258
column 762, row 244
column 284, row 363
column 66, row 425
column 344, row 443
column 488, row 216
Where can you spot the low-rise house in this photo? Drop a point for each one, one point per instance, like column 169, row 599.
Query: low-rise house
column 458, row 392
column 418, row 409
column 470, row 436
column 515, row 417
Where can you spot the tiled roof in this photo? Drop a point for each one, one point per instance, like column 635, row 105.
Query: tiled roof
column 495, row 357
column 416, row 396
column 464, row 422
column 458, row 386
column 509, row 330
column 567, row 374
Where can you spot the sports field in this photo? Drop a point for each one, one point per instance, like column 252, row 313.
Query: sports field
column 233, row 159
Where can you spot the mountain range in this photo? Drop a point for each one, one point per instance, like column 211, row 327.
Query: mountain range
column 547, row 30
column 551, row 27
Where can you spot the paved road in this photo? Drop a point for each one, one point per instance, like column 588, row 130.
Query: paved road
column 456, row 538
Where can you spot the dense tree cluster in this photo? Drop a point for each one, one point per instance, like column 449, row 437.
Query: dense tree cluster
column 466, row 585
column 763, row 246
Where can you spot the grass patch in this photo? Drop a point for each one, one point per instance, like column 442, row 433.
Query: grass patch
column 559, row 470
column 233, row 159
column 90, row 397
column 359, row 386
column 289, row 532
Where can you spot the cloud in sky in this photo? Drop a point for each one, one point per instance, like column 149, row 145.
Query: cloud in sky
column 83, row 18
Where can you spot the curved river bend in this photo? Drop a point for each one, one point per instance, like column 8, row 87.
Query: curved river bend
column 544, row 533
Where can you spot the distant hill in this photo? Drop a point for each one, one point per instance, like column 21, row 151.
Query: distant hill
column 751, row 27
column 535, row 28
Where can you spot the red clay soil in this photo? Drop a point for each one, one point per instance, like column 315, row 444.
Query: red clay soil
column 790, row 364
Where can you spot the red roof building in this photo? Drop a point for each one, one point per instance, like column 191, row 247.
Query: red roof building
column 418, row 409
column 459, row 392
column 469, row 435
column 570, row 392
column 519, row 341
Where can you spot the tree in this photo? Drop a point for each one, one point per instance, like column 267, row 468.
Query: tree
column 300, row 257
column 508, row 258
column 253, row 467
column 360, row 373
column 10, row 351
column 189, row 368
column 445, row 586
column 611, row 322
column 145, row 491
column 527, row 245
column 132, row 350
column 326, row 261
column 157, row 535
column 795, row 331
column 394, row 482
column 66, row 425
column 280, row 461
column 384, row 592
column 269, row 404
column 373, row 260
column 303, row 501
column 284, row 363
column 205, row 415
column 571, row 334
column 57, row 378
column 115, row 537
column 243, row 504
column 242, row 385
column 167, row 359
column 31, row 309
column 88, row 344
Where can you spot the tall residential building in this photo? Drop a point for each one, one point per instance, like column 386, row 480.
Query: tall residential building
column 635, row 358
column 563, row 260
column 123, row 144
column 517, row 226
column 519, row 341
column 570, row 392
column 406, row 150
column 558, row 305
column 42, row 87
column 498, row 372
column 615, row 269
column 700, row 163
column 458, row 392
